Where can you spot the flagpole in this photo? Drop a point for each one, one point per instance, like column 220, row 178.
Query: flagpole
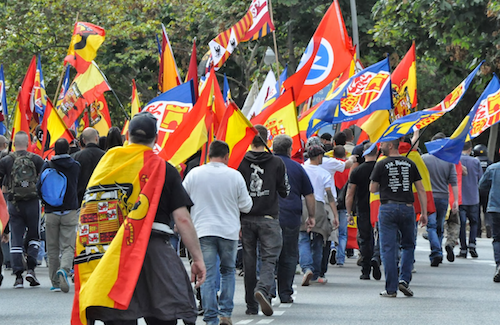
column 274, row 40
column 113, row 91
column 62, row 75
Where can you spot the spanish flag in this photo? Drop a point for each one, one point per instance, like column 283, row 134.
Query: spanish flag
column 53, row 128
column 169, row 76
column 83, row 91
column 99, row 115
column 237, row 131
column 404, row 82
column 86, row 40
column 304, row 119
column 426, row 182
column 121, row 217
column 136, row 106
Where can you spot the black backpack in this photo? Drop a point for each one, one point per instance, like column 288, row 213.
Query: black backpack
column 23, row 178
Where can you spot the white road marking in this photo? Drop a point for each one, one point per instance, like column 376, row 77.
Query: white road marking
column 246, row 321
column 265, row 321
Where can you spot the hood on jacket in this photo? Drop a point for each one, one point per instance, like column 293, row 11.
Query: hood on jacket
column 258, row 156
column 63, row 161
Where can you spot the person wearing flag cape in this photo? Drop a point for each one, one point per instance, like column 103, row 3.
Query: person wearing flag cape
column 125, row 267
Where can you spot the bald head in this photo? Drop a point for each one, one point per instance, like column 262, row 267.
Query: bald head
column 21, row 140
column 3, row 142
column 90, row 135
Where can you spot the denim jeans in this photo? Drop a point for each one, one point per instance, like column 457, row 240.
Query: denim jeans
column 214, row 248
column 470, row 212
column 495, row 229
column 287, row 262
column 342, row 237
column 394, row 218
column 268, row 232
column 435, row 227
column 311, row 252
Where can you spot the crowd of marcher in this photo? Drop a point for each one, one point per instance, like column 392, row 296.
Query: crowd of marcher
column 109, row 217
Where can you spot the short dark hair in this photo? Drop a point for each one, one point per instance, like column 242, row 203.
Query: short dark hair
column 257, row 140
column 218, row 149
column 372, row 153
column 340, row 139
column 339, row 152
column 467, row 145
column 326, row 136
column 348, row 133
column 439, row 135
column 281, row 144
column 395, row 143
column 61, row 146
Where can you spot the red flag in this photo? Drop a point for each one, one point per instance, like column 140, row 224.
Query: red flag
column 404, row 82
column 193, row 71
column 53, row 128
column 168, row 77
column 23, row 112
column 328, row 54
column 86, row 39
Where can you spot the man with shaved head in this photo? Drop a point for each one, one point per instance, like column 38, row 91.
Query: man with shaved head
column 23, row 205
column 4, row 146
column 88, row 159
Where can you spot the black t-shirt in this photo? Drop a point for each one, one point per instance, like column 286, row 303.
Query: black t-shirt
column 173, row 196
column 361, row 178
column 7, row 162
column 396, row 176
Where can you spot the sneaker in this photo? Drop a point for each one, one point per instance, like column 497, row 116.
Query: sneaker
column 288, row 300
column 496, row 277
column 63, row 280
column 251, row 312
column 436, row 261
column 473, row 252
column 404, row 287
column 450, row 256
column 321, row 280
column 340, row 264
column 18, row 284
column 389, row 295
column 55, row 289
column 425, row 235
column 265, row 304
column 226, row 321
column 307, row 278
column 377, row 275
column 364, row 277
column 333, row 257
column 359, row 262
column 462, row 255
column 31, row 278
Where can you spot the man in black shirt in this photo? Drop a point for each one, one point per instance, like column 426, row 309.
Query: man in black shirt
column 359, row 188
column 393, row 178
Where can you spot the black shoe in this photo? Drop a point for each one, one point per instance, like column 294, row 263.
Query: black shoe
column 436, row 261
column 377, row 275
column 364, row 277
column 1, row 279
column 462, row 255
column 473, row 252
column 265, row 304
column 450, row 256
column 201, row 311
column 251, row 312
column 288, row 300
column 31, row 278
column 496, row 277
column 349, row 252
column 488, row 231
column 18, row 284
column 404, row 287
column 333, row 257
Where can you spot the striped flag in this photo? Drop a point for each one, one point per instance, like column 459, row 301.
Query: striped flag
column 136, row 106
column 169, row 76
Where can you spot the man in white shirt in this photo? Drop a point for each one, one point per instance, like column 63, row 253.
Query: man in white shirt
column 219, row 194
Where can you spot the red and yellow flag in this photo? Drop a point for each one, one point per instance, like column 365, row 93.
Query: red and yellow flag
column 53, row 128
column 99, row 115
column 84, row 90
column 237, row 131
column 169, row 76
column 121, row 217
column 193, row 71
column 86, row 40
column 404, row 82
column 304, row 119
column 192, row 132
column 135, row 106
column 281, row 118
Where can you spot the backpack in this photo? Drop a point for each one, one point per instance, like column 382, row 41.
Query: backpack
column 53, row 186
column 23, row 178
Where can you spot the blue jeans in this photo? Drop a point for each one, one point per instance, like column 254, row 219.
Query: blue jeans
column 435, row 227
column 311, row 252
column 342, row 236
column 470, row 212
column 495, row 229
column 288, row 261
column 268, row 233
column 214, row 248
column 394, row 218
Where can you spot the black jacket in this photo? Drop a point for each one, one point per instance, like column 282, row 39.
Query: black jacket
column 71, row 169
column 88, row 159
column 265, row 176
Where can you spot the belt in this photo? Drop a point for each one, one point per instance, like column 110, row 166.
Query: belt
column 395, row 202
column 161, row 227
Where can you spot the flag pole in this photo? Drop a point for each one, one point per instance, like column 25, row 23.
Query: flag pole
column 113, row 91
column 62, row 73
column 274, row 40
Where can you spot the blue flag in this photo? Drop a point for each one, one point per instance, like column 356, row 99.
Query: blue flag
column 365, row 92
column 226, row 93
column 39, row 94
column 420, row 119
column 450, row 149
column 3, row 101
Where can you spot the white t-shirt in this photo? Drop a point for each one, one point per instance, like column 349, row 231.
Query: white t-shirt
column 219, row 193
column 320, row 180
column 331, row 165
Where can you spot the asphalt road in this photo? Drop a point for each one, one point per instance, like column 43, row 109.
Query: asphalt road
column 461, row 292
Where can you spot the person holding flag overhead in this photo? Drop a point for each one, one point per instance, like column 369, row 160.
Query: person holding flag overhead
column 132, row 196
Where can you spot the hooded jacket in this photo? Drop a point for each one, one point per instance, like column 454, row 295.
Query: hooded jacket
column 265, row 177
column 71, row 169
